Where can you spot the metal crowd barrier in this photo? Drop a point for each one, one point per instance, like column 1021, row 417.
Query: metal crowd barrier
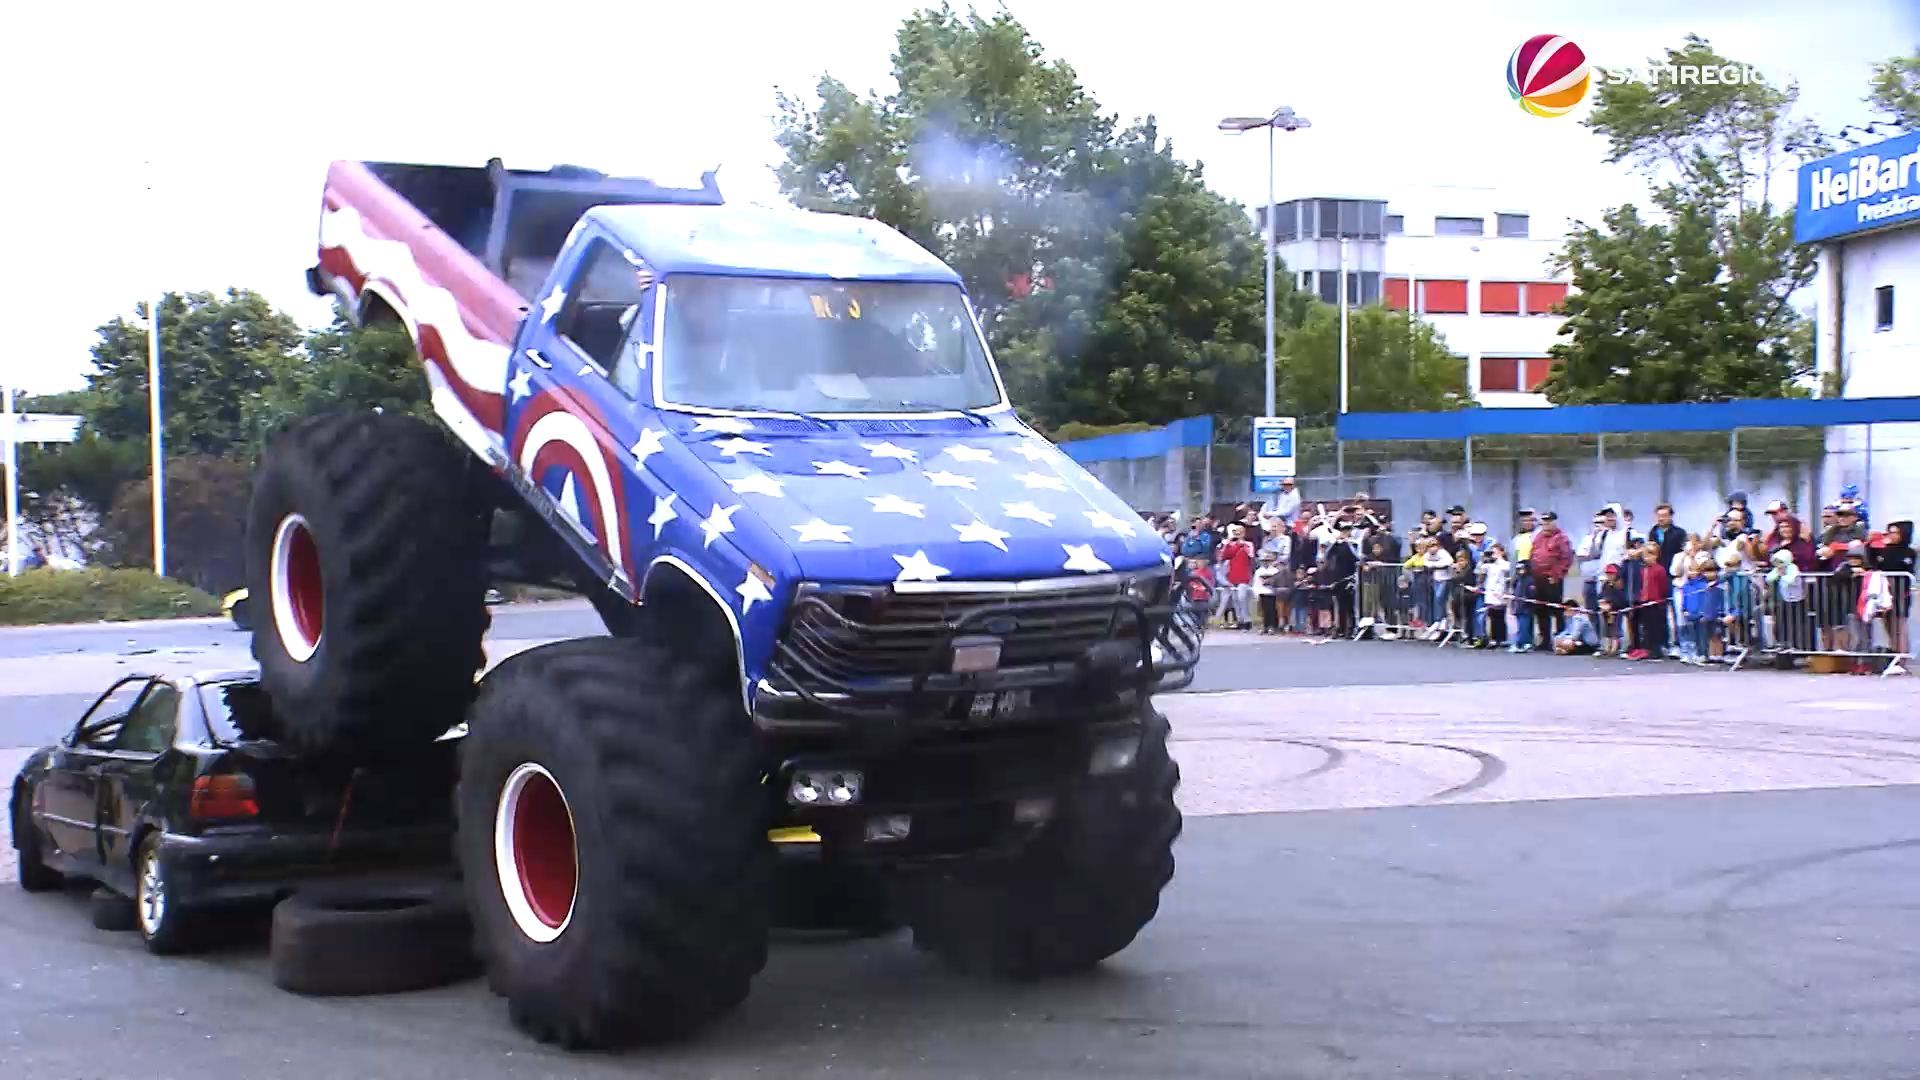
column 1863, row 616
column 1396, row 601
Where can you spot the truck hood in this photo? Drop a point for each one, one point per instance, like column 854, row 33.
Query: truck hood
column 971, row 503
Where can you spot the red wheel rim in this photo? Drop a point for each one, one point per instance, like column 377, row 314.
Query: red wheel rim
column 534, row 848
column 299, row 589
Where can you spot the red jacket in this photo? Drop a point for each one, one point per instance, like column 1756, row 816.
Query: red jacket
column 1654, row 583
column 1552, row 554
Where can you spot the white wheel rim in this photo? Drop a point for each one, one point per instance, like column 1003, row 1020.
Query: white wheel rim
column 299, row 599
column 152, row 901
column 535, row 853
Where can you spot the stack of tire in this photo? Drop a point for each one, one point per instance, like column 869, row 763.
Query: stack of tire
column 612, row 812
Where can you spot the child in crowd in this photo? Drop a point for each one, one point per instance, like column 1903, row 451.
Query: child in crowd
column 1265, row 592
column 1650, row 640
column 1693, row 588
column 1439, row 567
column 1613, row 606
column 1496, row 582
column 1577, row 637
column 1462, row 599
column 1708, row 613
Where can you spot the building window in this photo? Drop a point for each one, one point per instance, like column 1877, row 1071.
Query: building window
column 1541, row 297
column 1369, row 287
column 1396, row 224
column 1443, row 297
column 1286, row 222
column 1330, row 286
column 1535, row 372
column 1883, row 308
column 1459, row 226
column 1514, row 225
column 1499, row 374
column 1499, row 298
column 1396, row 293
column 1306, row 281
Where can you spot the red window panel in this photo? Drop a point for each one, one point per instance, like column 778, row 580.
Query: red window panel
column 1395, row 296
column 1444, row 297
column 1537, row 370
column 1500, row 297
column 1544, row 296
column 1499, row 373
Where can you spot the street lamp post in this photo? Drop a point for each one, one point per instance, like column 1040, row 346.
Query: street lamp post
column 1283, row 119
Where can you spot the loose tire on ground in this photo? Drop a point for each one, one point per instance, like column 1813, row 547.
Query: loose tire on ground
column 112, row 912
column 35, row 874
column 613, row 841
column 371, row 939
column 1085, row 888
column 366, row 568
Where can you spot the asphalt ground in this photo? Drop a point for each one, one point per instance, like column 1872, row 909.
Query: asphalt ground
column 1400, row 861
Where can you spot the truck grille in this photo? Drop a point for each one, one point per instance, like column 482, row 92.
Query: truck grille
column 860, row 636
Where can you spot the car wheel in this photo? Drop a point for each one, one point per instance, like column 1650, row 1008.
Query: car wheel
column 1080, row 893
column 165, row 925
column 371, row 939
column 35, row 874
column 613, row 837
column 366, row 547
column 112, row 912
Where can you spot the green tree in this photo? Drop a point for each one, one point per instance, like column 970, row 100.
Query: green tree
column 219, row 357
column 64, row 489
column 206, row 512
column 1895, row 90
column 1395, row 363
column 1700, row 296
column 1114, row 286
column 351, row 367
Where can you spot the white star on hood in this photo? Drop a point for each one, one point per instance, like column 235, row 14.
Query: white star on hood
column 1081, row 557
column 521, row 384
column 752, row 590
column 1100, row 519
column 663, row 512
column 841, row 468
column 1030, row 512
column 943, row 478
column 979, row 532
column 725, row 425
column 649, row 445
column 758, row 483
column 736, row 446
column 719, row 523
column 550, row 306
column 959, row 452
column 894, row 504
column 917, row 567
column 888, row 450
column 818, row 531
column 1043, row 481
column 1030, row 449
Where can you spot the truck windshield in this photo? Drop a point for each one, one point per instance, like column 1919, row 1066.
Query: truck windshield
column 815, row 346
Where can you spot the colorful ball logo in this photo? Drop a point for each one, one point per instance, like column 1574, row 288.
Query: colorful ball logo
column 1548, row 75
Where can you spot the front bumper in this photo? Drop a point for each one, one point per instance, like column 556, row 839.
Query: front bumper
column 257, row 864
column 879, row 659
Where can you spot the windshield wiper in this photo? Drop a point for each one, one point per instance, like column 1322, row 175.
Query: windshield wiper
column 929, row 406
column 784, row 414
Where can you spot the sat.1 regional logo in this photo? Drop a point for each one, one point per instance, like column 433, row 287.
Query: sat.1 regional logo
column 1548, row 75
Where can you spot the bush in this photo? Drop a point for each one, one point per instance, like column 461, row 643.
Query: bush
column 57, row 596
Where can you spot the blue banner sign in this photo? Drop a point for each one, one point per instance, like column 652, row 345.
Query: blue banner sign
column 1873, row 187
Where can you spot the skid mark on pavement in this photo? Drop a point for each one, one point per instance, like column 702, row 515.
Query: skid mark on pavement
column 1245, row 751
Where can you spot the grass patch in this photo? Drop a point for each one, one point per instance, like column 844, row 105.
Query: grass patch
column 60, row 596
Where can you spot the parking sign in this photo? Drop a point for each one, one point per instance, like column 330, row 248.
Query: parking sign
column 1272, row 452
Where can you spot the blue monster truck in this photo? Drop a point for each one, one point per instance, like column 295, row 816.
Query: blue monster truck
column 864, row 623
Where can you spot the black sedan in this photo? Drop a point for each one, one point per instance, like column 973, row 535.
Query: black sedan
column 171, row 791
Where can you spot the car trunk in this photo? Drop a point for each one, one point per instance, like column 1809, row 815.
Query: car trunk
column 292, row 790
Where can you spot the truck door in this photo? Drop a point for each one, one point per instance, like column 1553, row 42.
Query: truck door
column 583, row 369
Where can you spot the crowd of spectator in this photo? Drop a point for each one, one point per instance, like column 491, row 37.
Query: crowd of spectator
column 1746, row 581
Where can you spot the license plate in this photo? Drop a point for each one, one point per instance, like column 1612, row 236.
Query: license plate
column 999, row 706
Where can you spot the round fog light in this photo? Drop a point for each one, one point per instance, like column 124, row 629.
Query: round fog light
column 1114, row 755
column 834, row 787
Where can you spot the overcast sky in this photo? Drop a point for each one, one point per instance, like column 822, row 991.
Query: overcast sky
column 182, row 146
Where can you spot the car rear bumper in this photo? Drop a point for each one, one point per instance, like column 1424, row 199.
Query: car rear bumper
column 259, row 865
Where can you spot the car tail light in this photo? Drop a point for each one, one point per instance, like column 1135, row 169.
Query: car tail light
column 223, row 797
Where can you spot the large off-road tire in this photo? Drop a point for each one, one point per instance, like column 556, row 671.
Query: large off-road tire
column 1084, row 889
column 35, row 874
column 366, row 568
column 613, row 840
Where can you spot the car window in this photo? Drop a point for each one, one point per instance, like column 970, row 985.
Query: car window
column 603, row 301
column 149, row 728
column 101, row 725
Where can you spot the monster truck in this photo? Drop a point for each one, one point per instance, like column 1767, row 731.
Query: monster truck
column 859, row 614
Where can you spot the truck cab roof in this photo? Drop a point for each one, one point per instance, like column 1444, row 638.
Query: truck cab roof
column 761, row 241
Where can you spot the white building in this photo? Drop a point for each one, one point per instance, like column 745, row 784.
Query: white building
column 1477, row 265
column 1862, row 207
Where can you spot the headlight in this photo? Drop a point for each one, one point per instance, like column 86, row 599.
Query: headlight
column 1150, row 589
